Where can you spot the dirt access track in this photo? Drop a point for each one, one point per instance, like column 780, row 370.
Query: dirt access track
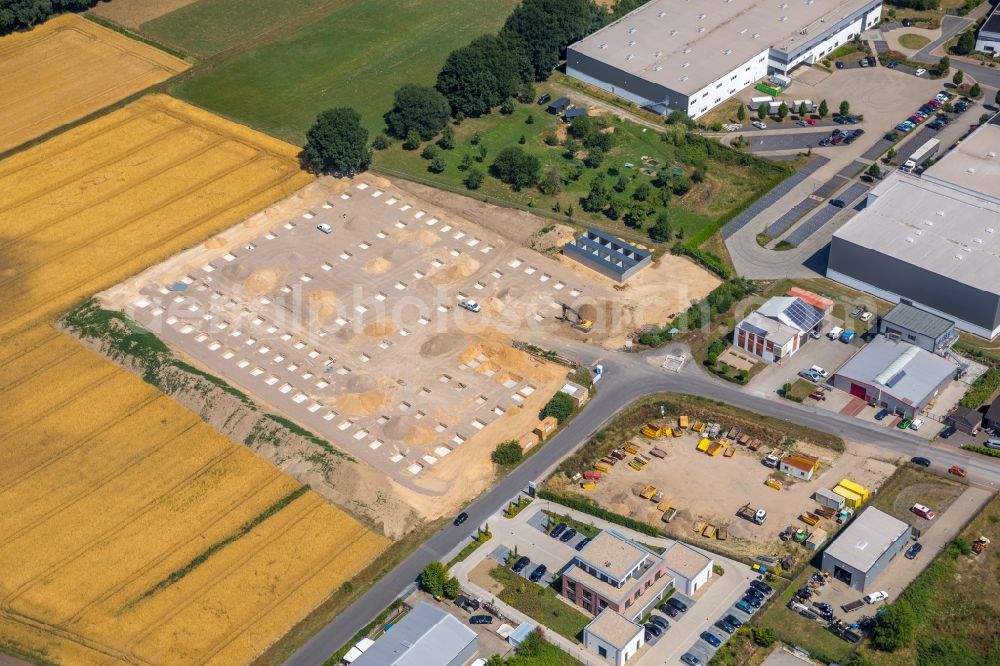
column 69, row 67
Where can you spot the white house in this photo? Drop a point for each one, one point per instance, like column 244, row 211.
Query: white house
column 778, row 328
column 799, row 465
column 691, row 568
column 988, row 39
column 613, row 637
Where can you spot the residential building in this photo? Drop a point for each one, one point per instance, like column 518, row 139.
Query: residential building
column 988, row 39
column 896, row 375
column 992, row 417
column 919, row 327
column 865, row 547
column 778, row 328
column 965, row 420
column 609, row 256
column 692, row 57
column 612, row 571
column 932, row 242
column 613, row 637
column 426, row 636
column 690, row 568
column 799, row 465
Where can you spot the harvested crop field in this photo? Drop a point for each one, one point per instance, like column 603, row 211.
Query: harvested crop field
column 67, row 68
column 105, row 200
column 112, row 493
column 133, row 13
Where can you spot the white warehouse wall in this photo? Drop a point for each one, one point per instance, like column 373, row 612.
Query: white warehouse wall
column 733, row 81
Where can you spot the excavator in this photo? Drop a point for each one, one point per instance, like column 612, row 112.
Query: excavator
column 579, row 323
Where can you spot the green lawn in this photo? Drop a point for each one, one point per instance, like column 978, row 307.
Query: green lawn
column 540, row 603
column 547, row 655
column 725, row 186
column 357, row 55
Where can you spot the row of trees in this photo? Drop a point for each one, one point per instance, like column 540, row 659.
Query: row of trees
column 24, row 14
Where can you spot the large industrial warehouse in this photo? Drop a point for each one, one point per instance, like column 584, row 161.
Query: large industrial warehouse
column 694, row 55
column 932, row 242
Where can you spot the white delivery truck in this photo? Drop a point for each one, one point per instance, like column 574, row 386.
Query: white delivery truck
column 755, row 102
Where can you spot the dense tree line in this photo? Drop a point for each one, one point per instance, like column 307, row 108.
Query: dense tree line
column 546, row 27
column 480, row 76
column 23, row 14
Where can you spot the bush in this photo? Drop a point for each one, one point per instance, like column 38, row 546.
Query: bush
column 981, row 449
column 437, row 165
column 560, row 406
column 337, row 143
column 412, row 141
column 381, row 142
column 963, row 546
column 516, row 167
column 763, row 636
column 419, row 108
column 966, row 43
column 447, row 140
column 894, row 628
column 474, row 178
column 429, row 152
column 982, row 389
column 507, row 453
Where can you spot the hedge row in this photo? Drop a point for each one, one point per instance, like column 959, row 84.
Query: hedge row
column 993, row 453
column 591, row 507
column 982, row 389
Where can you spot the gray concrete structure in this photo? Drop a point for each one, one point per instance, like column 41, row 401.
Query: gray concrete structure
column 609, row 256
column 426, row 636
column 919, row 327
column 898, row 376
column 863, row 550
column 988, row 39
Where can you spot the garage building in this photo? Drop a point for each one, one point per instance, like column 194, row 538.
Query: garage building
column 613, row 637
column 919, row 327
column 426, row 635
column 865, row 547
column 691, row 57
column 898, row 376
column 691, row 568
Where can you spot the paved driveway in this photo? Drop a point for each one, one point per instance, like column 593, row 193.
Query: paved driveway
column 826, row 353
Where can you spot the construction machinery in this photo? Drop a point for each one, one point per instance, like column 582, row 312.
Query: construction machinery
column 773, row 483
column 757, row 516
column 577, row 321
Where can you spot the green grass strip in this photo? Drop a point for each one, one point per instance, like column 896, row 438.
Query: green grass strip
column 247, row 527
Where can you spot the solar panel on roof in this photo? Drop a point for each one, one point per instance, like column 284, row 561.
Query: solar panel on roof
column 803, row 315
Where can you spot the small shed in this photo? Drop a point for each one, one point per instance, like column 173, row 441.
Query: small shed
column 579, row 393
column 965, row 420
column 546, row 427
column 799, row 465
column 816, row 539
column 828, row 498
column 575, row 112
column 528, row 440
column 558, row 105
column 520, row 634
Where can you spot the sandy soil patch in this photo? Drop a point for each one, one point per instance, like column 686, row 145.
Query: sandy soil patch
column 67, row 68
column 378, row 266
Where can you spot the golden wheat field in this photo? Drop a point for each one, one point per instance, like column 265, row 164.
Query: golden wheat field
column 105, row 200
column 67, row 68
column 129, row 529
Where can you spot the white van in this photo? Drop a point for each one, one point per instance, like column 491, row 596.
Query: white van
column 834, row 332
column 993, row 443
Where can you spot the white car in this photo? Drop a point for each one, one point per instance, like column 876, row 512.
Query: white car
column 867, row 316
column 820, row 371
column 876, row 597
column 920, row 72
column 325, row 228
column 759, row 124
column 916, row 423
column 469, row 305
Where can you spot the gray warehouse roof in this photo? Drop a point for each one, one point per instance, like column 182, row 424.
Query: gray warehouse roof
column 425, row 636
column 614, row 253
column 863, row 542
column 931, row 226
column 902, row 370
column 972, row 166
column 685, row 46
column 919, row 321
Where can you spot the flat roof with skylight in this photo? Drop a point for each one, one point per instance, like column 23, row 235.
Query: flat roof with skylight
column 972, row 166
column 864, row 540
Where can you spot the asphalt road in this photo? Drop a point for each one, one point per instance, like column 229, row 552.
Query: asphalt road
column 627, row 377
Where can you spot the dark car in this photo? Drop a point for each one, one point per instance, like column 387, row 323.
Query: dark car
column 849, row 139
column 710, row 638
column 544, row 98
column 557, row 530
column 913, row 551
column 825, row 141
column 654, row 629
column 733, row 620
column 661, row 622
column 753, row 601
column 840, row 120
column 761, row 586
column 756, row 594
column 725, row 626
column 840, row 65
column 678, row 604
column 837, row 140
column 461, row 518
column 691, row 660
column 872, row 61
column 583, row 542
column 882, row 413
column 537, row 574
column 568, row 535
column 947, row 432
column 669, row 610
column 481, row 619
column 853, row 120
column 466, row 603
column 858, row 132
column 936, row 125
column 920, row 460
column 745, row 607
column 907, row 22
column 856, row 312
column 839, row 203
column 521, row 563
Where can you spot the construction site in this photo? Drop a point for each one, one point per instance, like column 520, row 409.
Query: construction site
column 383, row 324
column 743, row 492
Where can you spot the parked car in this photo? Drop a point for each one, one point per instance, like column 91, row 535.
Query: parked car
column 691, row 660
column 839, row 203
column 481, row 619
column 753, row 601
column 469, row 305
column 820, row 371
column 871, row 61
column 912, row 551
column 947, row 432
column 725, row 626
column 810, row 375
column 904, row 424
column 325, row 228
column 745, row 607
column 920, row 72
column 710, row 638
column 876, row 597
column 867, row 316
column 840, row 64
column 544, row 98
column 537, row 574
column 882, row 413
column 583, row 542
column 557, row 530
column 916, row 423
column 678, row 604
column 733, row 620
column 863, row 62
column 847, row 336
column 857, row 311
column 761, row 586
column 661, row 622
column 521, row 563
column 936, row 125
column 568, row 535
column 907, row 22
column 923, row 511
column 756, row 594
column 653, row 630
column 759, row 124
column 825, row 141
column 893, row 64
column 958, row 471
column 460, row 518
column 920, row 460
column 669, row 610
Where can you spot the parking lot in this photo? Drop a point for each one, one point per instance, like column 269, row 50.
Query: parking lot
column 826, row 353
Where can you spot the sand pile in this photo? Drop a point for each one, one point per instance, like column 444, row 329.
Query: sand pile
column 379, row 328
column 441, row 344
column 407, row 429
column 605, row 314
column 262, row 281
column 420, row 435
column 493, row 352
column 322, row 304
column 463, row 267
column 381, row 182
column 362, row 396
column 378, row 266
column 216, row 242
